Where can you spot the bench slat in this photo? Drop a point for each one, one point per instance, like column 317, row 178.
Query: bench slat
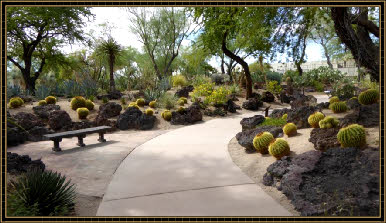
column 70, row 134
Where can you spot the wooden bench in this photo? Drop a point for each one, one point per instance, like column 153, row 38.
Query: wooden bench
column 81, row 133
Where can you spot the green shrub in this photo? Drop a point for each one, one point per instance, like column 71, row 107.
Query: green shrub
column 261, row 142
column 274, row 87
column 91, row 98
column 141, row 102
column 82, row 113
column 218, row 96
column 42, row 102
column 324, row 75
column 152, row 94
column 319, row 87
column 152, row 104
column 149, row 112
column 179, row 81
column 279, row 148
column 352, row 136
column 105, row 100
column 167, row 101
column 200, row 79
column 290, row 129
column 90, row 105
column 218, row 79
column 167, row 115
column 328, row 122
column 274, row 76
column 368, row 97
column 273, row 122
column 202, row 90
column 234, row 89
column 314, row 119
column 343, row 88
column 50, row 100
column 339, row 107
column 78, row 102
column 41, row 193
column 15, row 102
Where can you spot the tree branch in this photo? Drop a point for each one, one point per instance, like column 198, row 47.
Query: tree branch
column 15, row 63
column 367, row 24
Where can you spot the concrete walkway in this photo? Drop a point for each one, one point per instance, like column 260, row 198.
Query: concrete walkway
column 187, row 172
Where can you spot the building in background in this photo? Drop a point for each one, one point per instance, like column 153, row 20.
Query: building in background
column 349, row 66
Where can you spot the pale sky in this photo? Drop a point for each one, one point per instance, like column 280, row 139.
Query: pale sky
column 119, row 19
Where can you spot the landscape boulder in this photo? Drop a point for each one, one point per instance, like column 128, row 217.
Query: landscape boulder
column 252, row 122
column 366, row 115
column 102, row 121
column 301, row 100
column 245, row 138
column 82, row 125
column 36, row 133
column 110, row 109
column 191, row 115
column 114, row 95
column 252, row 104
column 285, row 98
column 353, row 103
column 299, row 116
column 231, row 107
column 17, row 164
column 321, row 183
column 215, row 112
column 59, row 119
column 324, row 139
column 184, row 91
column 43, row 111
column 268, row 97
column 28, row 120
column 278, row 113
column 15, row 136
column 133, row 118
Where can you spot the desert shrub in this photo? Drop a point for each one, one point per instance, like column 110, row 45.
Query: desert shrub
column 291, row 74
column 324, row 75
column 368, row 97
column 200, row 79
column 15, row 102
column 167, row 101
column 279, row 148
column 105, row 100
column 50, row 100
column 149, row 111
column 352, row 136
column 90, row 105
column 344, row 88
column 42, row 102
column 234, row 89
column 261, row 142
column 202, row 90
column 274, row 76
column 78, row 102
column 319, row 86
column 218, row 79
column 218, row 96
column 41, row 193
column 273, row 122
column 274, row 87
column 179, row 81
column 82, row 113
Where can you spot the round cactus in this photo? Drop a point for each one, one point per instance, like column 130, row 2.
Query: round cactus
column 89, row 105
column 181, row 110
column 50, row 100
column 78, row 102
column 82, row 113
column 185, row 100
column 279, row 148
column 167, row 115
column 152, row 104
column 180, row 102
column 15, row 102
column 339, row 107
column 140, row 102
column 368, row 97
column 133, row 104
column 261, row 142
column 290, row 129
column 334, row 99
column 149, row 111
column 314, row 119
column 42, row 102
column 284, row 116
column 352, row 136
column 328, row 122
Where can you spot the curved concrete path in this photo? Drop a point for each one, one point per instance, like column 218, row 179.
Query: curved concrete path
column 187, row 172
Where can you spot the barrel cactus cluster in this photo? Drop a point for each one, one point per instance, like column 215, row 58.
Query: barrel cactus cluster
column 328, row 122
column 314, row 119
column 89, row 105
column 261, row 142
column 133, row 104
column 42, row 102
column 140, row 102
column 16, row 102
column 82, row 113
column 167, row 115
column 339, row 107
column 334, row 99
column 152, row 104
column 290, row 129
column 50, row 100
column 352, row 136
column 368, row 97
column 279, row 148
column 78, row 102
column 149, row 112
column 182, row 101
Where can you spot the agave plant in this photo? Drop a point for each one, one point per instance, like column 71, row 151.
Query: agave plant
column 89, row 87
column 152, row 94
column 42, row 92
column 13, row 91
column 41, row 193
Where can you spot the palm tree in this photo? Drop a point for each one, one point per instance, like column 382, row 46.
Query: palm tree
column 112, row 50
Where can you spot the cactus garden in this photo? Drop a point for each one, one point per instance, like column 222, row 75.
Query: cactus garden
column 150, row 104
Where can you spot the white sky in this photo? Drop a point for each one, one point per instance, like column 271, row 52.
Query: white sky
column 118, row 18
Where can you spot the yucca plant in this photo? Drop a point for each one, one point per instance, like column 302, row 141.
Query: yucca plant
column 41, row 193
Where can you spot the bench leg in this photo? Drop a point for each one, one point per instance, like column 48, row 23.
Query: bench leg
column 56, row 147
column 101, row 137
column 80, row 141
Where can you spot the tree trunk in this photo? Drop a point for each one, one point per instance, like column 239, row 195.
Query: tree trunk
column 222, row 65
column 326, row 54
column 240, row 61
column 112, row 83
column 299, row 68
column 262, row 69
column 360, row 44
